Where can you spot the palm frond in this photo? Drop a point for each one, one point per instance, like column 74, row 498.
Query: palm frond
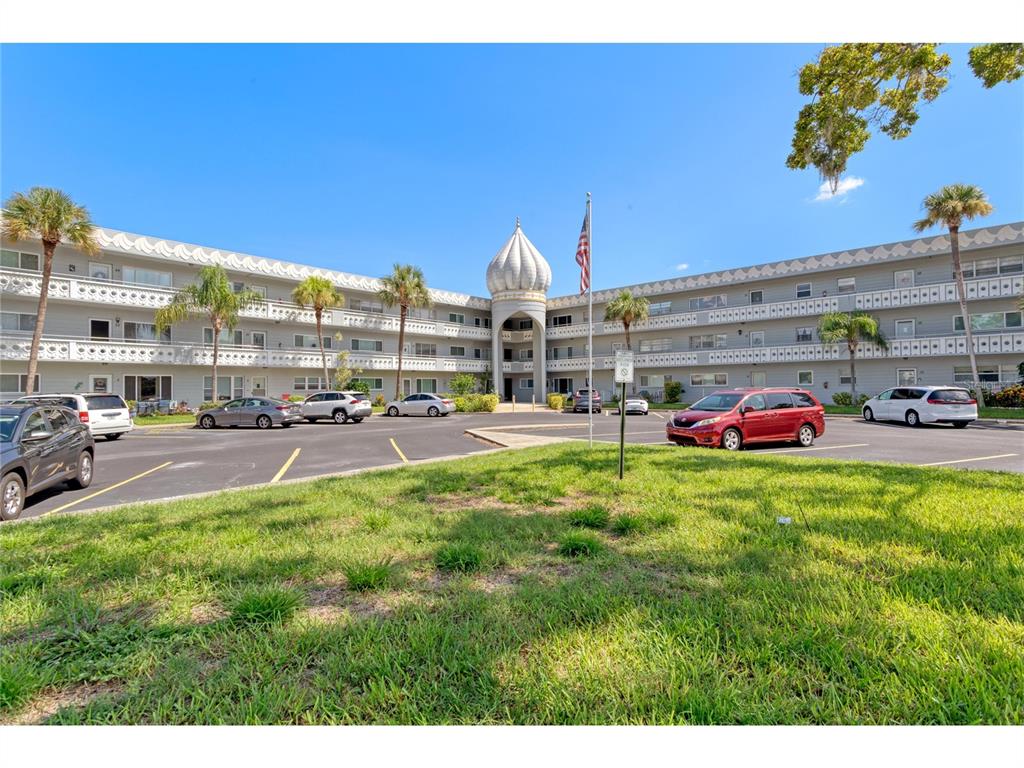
column 952, row 205
column 51, row 215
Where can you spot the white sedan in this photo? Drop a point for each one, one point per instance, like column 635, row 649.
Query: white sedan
column 422, row 404
column 635, row 404
column 923, row 405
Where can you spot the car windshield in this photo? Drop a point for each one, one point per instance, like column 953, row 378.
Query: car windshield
column 8, row 421
column 718, row 402
column 958, row 395
column 98, row 402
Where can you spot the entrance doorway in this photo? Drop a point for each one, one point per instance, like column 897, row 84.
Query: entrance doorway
column 259, row 386
column 508, row 389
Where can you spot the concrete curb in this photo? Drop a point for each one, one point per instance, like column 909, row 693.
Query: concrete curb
column 512, row 441
column 1010, row 422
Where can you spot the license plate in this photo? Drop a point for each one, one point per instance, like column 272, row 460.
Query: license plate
column 111, row 415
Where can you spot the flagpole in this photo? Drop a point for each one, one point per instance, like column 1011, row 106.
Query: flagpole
column 590, row 325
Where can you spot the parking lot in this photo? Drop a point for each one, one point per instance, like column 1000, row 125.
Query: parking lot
column 162, row 462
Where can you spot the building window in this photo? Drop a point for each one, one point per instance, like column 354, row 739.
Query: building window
column 803, row 290
column 457, row 318
column 526, row 354
column 654, row 380
column 804, row 334
column 305, row 384
column 481, row 354
column 159, row 387
column 903, row 278
column 758, row 379
column 457, row 351
column 989, row 321
column 482, row 321
column 708, row 341
column 140, row 276
column 18, row 260
column 100, row 271
column 525, row 325
column 656, row 345
column 17, row 321
column 367, row 345
column 561, row 320
column 1011, row 265
column 304, row 341
column 708, row 379
column 561, row 386
column 757, row 297
column 560, row 353
column 660, row 308
column 526, row 383
column 373, row 384
column 426, row 385
column 847, row 285
column 844, row 376
column 259, row 339
column 16, row 383
column 227, row 336
column 708, row 302
column 905, row 329
column 424, row 350
column 805, row 378
column 756, row 338
column 362, row 305
column 145, row 332
column 906, row 377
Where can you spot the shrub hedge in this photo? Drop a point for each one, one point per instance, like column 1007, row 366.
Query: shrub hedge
column 556, row 402
column 476, row 403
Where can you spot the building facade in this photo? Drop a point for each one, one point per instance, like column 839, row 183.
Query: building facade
column 753, row 326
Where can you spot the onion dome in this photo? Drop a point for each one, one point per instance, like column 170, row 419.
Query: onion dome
column 518, row 266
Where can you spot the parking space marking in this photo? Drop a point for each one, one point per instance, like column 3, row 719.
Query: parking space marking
column 284, row 467
column 399, row 451
column 104, row 490
column 964, row 461
column 657, row 414
column 823, row 448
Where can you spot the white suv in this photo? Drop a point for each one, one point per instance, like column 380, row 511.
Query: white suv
column 104, row 413
column 923, row 405
column 339, row 406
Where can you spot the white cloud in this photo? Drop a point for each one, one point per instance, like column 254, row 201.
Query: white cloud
column 846, row 185
column 682, row 267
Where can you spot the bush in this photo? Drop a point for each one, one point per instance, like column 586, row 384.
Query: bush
column 589, row 517
column 264, row 605
column 1010, row 397
column 459, row 558
column 476, row 403
column 556, row 402
column 359, row 386
column 363, row 577
column 379, row 401
column 208, row 405
column 579, row 545
column 862, row 398
column 673, row 391
column 462, row 384
column 842, row 398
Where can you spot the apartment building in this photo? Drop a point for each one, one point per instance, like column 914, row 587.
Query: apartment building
column 751, row 326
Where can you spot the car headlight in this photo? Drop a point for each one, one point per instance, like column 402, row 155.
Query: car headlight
column 705, row 422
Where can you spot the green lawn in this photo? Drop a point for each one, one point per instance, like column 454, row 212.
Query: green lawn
column 532, row 587
column 162, row 418
column 983, row 413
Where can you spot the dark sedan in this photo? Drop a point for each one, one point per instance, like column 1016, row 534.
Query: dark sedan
column 41, row 445
column 262, row 412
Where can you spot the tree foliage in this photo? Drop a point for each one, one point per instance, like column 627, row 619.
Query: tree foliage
column 627, row 309
column 318, row 293
column 857, row 86
column 407, row 289
column 851, row 328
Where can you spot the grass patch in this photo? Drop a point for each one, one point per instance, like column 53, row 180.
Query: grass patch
column 459, row 558
column 364, row 577
column 264, row 605
column 159, row 419
column 591, row 516
column 577, row 544
column 896, row 596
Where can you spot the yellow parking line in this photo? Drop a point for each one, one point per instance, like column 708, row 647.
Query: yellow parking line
column 399, row 451
column 108, row 488
column 284, row 468
column 823, row 448
column 964, row 461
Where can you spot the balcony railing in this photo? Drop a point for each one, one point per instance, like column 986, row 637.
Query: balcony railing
column 938, row 293
column 19, row 282
column 158, row 353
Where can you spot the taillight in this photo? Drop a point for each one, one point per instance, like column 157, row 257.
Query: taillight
column 447, row 402
column 83, row 416
column 282, row 407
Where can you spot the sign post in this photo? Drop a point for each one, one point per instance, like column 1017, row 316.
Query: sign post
column 623, row 376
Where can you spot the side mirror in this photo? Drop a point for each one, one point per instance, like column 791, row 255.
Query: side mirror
column 34, row 437
column 746, row 409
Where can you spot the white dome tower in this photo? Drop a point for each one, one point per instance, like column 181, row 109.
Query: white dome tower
column 518, row 278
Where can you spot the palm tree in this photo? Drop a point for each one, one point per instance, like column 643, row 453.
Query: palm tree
column 320, row 294
column 628, row 309
column 406, row 289
column 53, row 217
column 950, row 206
column 213, row 297
column 851, row 328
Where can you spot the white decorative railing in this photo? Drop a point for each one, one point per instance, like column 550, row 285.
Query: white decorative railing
column 25, row 283
column 516, row 337
column 132, row 352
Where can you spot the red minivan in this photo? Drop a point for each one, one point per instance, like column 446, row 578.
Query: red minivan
column 732, row 417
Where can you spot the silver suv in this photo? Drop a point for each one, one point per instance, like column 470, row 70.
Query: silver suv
column 339, row 406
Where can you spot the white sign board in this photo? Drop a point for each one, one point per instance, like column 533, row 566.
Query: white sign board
column 623, row 366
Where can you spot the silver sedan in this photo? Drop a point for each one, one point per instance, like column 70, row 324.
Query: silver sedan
column 262, row 412
column 422, row 404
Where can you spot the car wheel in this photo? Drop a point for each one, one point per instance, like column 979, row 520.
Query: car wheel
column 960, row 424
column 207, row 422
column 913, row 419
column 114, row 436
column 732, row 439
column 806, row 435
column 264, row 422
column 432, row 411
column 83, row 477
column 12, row 496
column 340, row 417
column 869, row 415
column 393, row 410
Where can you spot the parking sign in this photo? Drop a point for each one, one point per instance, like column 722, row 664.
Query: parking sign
column 623, row 366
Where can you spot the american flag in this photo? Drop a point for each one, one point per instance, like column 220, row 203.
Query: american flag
column 583, row 255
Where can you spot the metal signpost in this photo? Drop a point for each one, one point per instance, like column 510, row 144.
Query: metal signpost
column 623, row 376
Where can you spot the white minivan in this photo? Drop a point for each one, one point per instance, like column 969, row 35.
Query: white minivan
column 104, row 413
column 923, row 405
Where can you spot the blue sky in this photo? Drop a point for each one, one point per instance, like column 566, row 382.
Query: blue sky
column 354, row 157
